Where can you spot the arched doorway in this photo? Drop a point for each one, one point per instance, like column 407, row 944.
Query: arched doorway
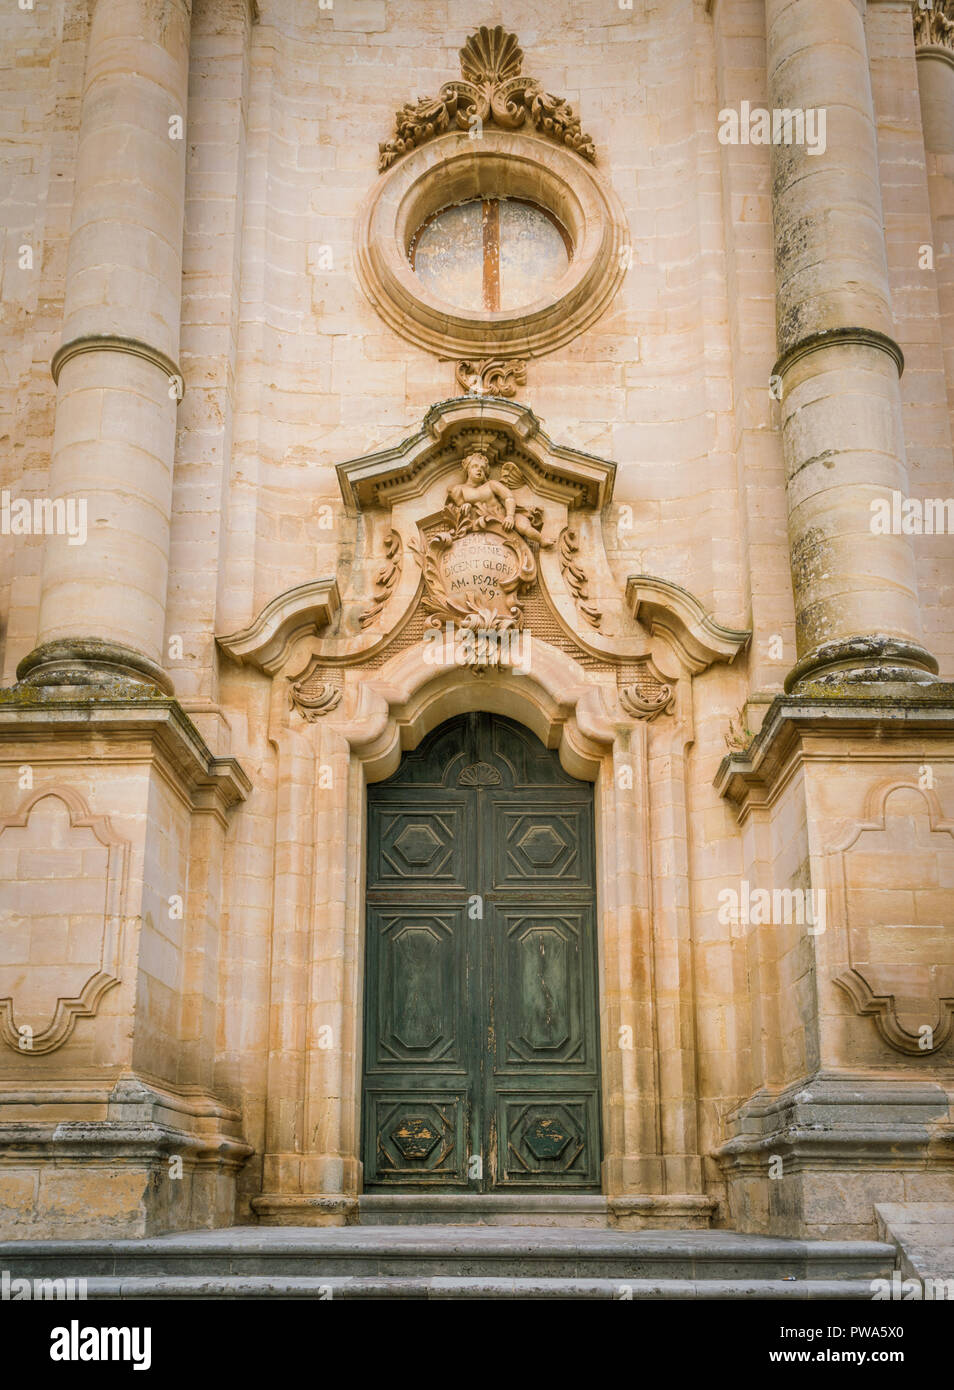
column 481, row 1034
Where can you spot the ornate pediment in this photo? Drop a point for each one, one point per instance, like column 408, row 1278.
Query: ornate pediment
column 452, row 428
column 483, row 534
column 493, row 91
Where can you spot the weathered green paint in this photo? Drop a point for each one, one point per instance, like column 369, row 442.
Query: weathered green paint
column 481, row 1046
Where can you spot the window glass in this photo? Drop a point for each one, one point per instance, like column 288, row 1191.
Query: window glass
column 491, row 253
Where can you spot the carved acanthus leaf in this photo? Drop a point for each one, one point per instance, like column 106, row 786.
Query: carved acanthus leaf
column 492, row 376
column 385, row 579
column 575, row 578
column 314, row 694
column 935, row 25
column 492, row 92
column 641, row 703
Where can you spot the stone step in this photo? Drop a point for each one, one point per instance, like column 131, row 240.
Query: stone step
column 336, row 1288
column 425, row 1253
column 467, row 1210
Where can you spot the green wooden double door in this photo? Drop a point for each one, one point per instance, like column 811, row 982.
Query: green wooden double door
column 481, row 1043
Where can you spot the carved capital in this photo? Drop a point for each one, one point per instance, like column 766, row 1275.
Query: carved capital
column 648, row 705
column 934, row 27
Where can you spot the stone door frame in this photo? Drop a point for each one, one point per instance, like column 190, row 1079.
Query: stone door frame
column 651, row 1165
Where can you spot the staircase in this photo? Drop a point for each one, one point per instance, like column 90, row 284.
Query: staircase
column 456, row 1262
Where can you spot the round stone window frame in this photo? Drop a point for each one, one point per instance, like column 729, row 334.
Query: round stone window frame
column 454, row 169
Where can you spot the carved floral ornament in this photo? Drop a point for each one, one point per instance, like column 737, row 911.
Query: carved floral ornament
column 934, row 25
column 483, row 528
column 492, row 91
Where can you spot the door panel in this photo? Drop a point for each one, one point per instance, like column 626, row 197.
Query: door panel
column 418, row 958
column 481, row 1049
column 413, row 844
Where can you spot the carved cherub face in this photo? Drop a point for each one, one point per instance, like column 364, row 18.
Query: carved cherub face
column 476, row 468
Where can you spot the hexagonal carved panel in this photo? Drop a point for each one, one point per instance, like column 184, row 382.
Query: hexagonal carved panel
column 542, row 845
column 417, row 844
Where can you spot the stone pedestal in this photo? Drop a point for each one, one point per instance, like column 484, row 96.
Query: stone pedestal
column 847, row 939
column 112, row 826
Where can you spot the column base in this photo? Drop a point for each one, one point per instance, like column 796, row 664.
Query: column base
column 813, row 1160
column 304, row 1209
column 91, row 661
column 874, row 660
column 156, row 1162
column 662, row 1212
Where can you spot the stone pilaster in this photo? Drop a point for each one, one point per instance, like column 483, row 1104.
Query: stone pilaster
column 102, row 603
column 856, row 599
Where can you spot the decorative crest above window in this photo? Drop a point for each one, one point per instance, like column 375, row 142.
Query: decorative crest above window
column 492, row 92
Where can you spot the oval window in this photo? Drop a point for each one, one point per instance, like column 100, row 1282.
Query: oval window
column 490, row 254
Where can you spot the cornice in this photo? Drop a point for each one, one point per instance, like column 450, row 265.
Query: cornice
column 670, row 611
column 748, row 778
column 211, row 783
column 305, row 610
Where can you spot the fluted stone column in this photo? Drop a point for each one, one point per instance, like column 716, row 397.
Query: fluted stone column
column 102, row 603
column 856, row 601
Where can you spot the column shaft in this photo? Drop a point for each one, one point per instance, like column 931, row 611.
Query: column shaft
column 102, row 602
column 856, row 600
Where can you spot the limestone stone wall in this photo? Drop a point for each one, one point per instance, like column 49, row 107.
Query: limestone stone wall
column 288, row 370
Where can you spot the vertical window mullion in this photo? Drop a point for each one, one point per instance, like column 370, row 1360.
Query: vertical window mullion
column 491, row 228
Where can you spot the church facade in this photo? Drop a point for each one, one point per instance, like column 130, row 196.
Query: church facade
column 477, row 593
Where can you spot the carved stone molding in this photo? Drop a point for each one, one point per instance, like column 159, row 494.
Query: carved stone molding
column 641, row 705
column 298, row 612
column 385, row 579
column 112, row 342
column 884, row 1009
column 501, row 534
column 64, row 1010
column 674, row 613
column 314, row 693
column 934, row 27
column 492, row 376
column 576, row 578
column 492, row 92
column 502, row 164
column 898, row 928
